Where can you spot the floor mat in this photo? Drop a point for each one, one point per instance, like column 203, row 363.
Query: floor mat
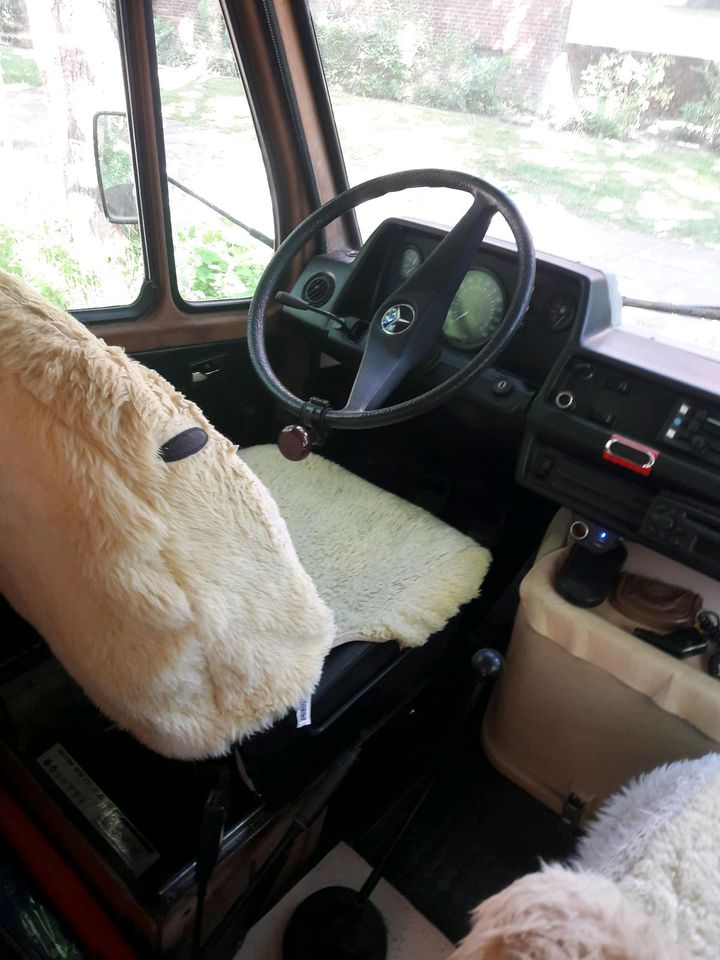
column 477, row 833
column 410, row 936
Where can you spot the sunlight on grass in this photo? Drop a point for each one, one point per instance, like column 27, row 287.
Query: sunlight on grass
column 654, row 187
column 588, row 177
column 609, row 205
column 654, row 206
column 18, row 66
column 203, row 101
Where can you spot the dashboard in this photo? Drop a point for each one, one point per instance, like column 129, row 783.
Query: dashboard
column 624, row 431
column 356, row 286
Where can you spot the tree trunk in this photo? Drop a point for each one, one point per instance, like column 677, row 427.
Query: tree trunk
column 78, row 57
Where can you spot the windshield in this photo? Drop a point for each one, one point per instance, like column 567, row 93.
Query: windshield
column 600, row 120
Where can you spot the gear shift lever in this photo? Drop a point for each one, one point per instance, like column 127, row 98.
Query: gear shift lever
column 338, row 923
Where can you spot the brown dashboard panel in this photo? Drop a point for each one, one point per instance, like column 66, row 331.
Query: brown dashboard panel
column 166, row 326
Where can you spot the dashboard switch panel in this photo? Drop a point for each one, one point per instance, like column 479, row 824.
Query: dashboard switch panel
column 685, row 525
column 694, row 429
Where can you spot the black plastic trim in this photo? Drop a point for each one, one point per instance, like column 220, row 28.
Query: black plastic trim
column 147, row 296
column 98, row 172
column 162, row 157
column 142, row 189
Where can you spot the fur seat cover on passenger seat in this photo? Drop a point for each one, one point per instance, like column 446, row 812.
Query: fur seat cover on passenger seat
column 170, row 591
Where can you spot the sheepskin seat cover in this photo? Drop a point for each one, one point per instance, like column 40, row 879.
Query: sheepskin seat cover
column 173, row 592
column 644, row 884
column 658, row 839
column 386, row 568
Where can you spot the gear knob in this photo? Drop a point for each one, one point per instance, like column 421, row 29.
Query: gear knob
column 296, row 442
column 487, row 665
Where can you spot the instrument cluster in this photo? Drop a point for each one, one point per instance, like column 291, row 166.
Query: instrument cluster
column 483, row 297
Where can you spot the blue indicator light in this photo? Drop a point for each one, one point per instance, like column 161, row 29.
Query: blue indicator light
column 602, row 535
column 677, row 422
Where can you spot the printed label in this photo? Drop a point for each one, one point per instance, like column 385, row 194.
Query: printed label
column 98, row 808
column 304, row 718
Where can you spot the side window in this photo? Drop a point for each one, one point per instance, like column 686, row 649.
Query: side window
column 220, row 205
column 59, row 66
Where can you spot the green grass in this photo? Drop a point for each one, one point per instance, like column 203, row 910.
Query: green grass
column 18, row 67
column 218, row 102
column 654, row 187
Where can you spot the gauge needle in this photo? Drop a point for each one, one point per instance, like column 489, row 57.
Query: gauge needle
column 463, row 326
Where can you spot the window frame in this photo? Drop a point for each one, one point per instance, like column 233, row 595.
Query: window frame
column 276, row 53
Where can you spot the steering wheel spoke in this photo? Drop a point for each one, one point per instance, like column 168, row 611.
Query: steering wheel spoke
column 432, row 287
column 406, row 327
column 385, row 363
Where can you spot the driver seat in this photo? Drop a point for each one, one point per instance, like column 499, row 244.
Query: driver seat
column 195, row 595
column 395, row 578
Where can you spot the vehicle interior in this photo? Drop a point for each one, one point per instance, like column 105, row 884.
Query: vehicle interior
column 360, row 538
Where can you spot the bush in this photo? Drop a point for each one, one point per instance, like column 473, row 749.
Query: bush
column 390, row 60
column 705, row 113
column 16, row 68
column 460, row 80
column 365, row 61
column 42, row 258
column 621, row 92
column 170, row 50
column 13, row 16
column 212, row 267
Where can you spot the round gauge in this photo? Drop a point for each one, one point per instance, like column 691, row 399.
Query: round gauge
column 560, row 312
column 410, row 260
column 476, row 311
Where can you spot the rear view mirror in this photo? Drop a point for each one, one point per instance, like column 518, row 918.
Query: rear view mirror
column 114, row 165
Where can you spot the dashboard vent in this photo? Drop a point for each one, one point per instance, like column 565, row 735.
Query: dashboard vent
column 319, row 288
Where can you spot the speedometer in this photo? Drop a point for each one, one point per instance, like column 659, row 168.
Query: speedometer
column 476, row 311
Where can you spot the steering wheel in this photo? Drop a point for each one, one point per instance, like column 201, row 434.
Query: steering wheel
column 407, row 324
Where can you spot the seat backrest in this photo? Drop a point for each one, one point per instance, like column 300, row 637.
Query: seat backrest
column 136, row 541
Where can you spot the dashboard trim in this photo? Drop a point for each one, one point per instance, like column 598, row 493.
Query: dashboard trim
column 656, row 357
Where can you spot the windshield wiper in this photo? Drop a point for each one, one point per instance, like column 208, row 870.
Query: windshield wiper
column 705, row 313
column 256, row 234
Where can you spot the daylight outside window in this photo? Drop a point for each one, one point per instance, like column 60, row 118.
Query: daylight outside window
column 74, row 235
column 220, row 206
column 54, row 232
column 601, row 121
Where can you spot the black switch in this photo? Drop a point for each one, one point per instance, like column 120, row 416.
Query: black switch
column 603, row 417
column 544, row 467
column 502, row 387
column 583, row 369
column 619, row 385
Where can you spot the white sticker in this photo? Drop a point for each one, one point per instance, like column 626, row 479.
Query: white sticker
column 99, row 809
column 304, row 718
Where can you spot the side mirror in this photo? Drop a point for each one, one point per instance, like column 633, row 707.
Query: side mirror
column 113, row 162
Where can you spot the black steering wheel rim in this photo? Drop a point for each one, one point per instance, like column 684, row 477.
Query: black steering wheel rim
column 480, row 190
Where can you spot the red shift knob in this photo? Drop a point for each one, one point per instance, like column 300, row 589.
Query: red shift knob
column 295, row 442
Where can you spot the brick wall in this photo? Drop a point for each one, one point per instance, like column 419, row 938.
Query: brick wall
column 531, row 33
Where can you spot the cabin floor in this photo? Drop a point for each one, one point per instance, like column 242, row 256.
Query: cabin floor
column 476, row 833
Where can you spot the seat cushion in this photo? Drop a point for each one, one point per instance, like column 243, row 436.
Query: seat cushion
column 363, row 686
column 387, row 569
